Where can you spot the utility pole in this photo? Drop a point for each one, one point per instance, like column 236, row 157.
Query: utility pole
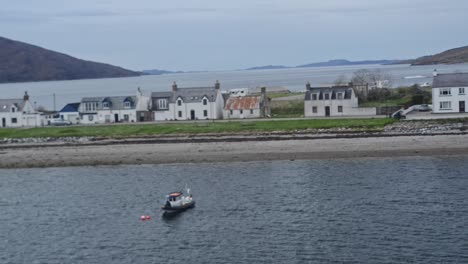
column 54, row 102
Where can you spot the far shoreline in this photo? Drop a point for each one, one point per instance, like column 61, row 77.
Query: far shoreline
column 214, row 152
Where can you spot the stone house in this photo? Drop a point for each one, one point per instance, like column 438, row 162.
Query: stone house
column 247, row 106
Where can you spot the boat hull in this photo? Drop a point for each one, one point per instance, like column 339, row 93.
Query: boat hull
column 178, row 209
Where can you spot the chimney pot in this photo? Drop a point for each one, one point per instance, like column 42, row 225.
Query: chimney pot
column 174, row 86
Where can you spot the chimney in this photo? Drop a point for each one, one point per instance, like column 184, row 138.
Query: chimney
column 263, row 90
column 174, row 86
column 435, row 73
column 26, row 96
column 217, row 85
column 308, row 86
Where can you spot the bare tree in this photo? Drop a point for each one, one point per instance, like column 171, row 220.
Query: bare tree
column 340, row 80
column 375, row 78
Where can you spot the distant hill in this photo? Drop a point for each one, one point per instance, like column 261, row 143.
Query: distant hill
column 346, row 63
column 22, row 62
column 268, row 67
column 159, row 72
column 457, row 55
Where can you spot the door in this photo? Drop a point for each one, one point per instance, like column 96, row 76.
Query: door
column 327, row 111
column 461, row 106
column 192, row 114
column 3, row 122
column 116, row 118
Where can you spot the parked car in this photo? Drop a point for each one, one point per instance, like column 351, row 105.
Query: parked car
column 60, row 122
column 424, row 108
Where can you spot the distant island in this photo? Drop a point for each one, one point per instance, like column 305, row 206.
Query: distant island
column 159, row 72
column 22, row 62
column 330, row 63
column 452, row 56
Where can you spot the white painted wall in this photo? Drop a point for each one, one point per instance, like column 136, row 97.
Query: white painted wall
column 454, row 98
column 350, row 108
column 237, row 115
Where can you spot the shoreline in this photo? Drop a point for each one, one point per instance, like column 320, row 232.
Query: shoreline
column 129, row 153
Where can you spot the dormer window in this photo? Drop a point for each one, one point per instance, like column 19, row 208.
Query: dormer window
column 339, row 96
column 162, row 104
column 314, row 96
column 327, row 96
column 205, row 101
column 127, row 104
column 105, row 105
column 13, row 109
column 179, row 102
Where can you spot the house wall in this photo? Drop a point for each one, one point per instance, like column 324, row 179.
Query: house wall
column 245, row 114
column 350, row 108
column 73, row 117
column 8, row 116
column 454, row 98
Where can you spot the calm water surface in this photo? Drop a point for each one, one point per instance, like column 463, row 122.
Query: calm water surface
column 293, row 79
column 334, row 211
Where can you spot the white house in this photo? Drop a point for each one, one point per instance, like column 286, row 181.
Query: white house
column 333, row 101
column 18, row 113
column 247, row 106
column 188, row 103
column 70, row 112
column 449, row 93
column 114, row 109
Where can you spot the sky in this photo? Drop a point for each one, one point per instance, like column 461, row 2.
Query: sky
column 198, row 35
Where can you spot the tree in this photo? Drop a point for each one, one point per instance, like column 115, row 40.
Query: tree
column 375, row 78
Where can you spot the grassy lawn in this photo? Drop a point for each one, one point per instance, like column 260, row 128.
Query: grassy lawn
column 279, row 95
column 121, row 131
column 395, row 102
column 293, row 108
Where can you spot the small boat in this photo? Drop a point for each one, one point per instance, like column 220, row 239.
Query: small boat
column 176, row 202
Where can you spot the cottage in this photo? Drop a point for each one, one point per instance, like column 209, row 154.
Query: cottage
column 188, row 103
column 247, row 106
column 333, row 101
column 70, row 112
column 449, row 92
column 114, row 109
column 18, row 113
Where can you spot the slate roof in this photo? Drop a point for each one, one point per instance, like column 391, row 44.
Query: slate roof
column 333, row 90
column 73, row 107
column 188, row 95
column 115, row 102
column 5, row 104
column 450, row 80
column 243, row 102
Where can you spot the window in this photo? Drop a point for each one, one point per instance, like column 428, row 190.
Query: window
column 13, row 109
column 105, row 105
column 314, row 96
column 180, row 113
column 340, row 109
column 179, row 102
column 327, row 96
column 446, row 105
column 162, row 104
column 14, row 120
column 205, row 113
column 339, row 97
column 461, row 90
column 126, row 118
column 445, row 91
column 241, row 111
column 127, row 104
column 230, row 111
column 251, row 111
column 205, row 102
column 314, row 109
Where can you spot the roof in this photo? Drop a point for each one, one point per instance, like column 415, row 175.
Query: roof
column 450, row 80
column 194, row 94
column 243, row 102
column 161, row 94
column 115, row 102
column 73, row 107
column 333, row 90
column 5, row 104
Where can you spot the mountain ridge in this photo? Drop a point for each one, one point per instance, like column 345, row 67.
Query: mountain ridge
column 23, row 62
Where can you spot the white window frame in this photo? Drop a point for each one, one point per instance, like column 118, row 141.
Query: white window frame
column 105, row 105
column 340, row 109
column 205, row 101
column 179, row 102
column 445, row 92
column 162, row 104
column 127, row 105
column 445, row 105
column 326, row 96
column 461, row 90
column 314, row 109
column 314, row 96
column 339, row 96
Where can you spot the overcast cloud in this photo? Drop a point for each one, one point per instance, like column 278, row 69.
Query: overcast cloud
column 221, row 35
